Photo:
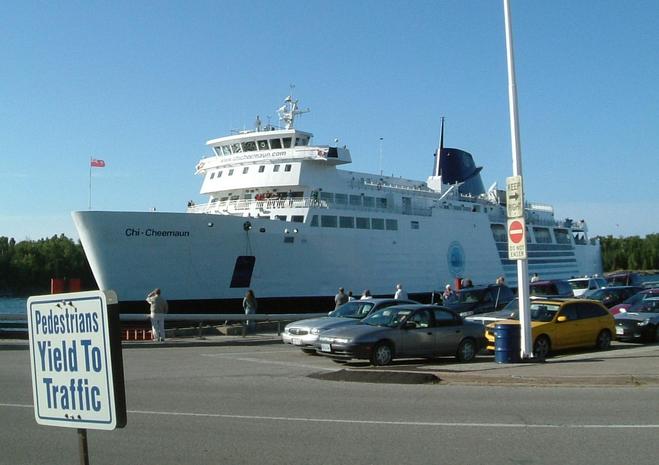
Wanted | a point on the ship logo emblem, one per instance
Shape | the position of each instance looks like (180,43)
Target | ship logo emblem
(456,258)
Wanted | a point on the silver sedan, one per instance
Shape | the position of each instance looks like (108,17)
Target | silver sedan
(304,333)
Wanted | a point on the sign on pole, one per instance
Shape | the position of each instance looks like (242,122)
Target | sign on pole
(76,362)
(514,197)
(516,239)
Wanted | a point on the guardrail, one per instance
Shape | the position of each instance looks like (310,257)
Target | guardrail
(18,322)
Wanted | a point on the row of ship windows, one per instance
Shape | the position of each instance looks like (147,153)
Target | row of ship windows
(264,144)
(542,235)
(353,200)
(275,169)
(350,222)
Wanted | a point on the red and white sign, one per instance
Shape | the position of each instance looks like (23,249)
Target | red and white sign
(516,239)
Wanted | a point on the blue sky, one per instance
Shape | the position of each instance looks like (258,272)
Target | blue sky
(144,84)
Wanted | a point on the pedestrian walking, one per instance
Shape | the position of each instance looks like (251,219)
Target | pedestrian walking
(158,308)
(249,306)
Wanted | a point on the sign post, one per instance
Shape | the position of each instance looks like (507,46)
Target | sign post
(76,362)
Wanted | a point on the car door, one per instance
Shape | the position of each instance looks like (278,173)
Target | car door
(567,332)
(417,337)
(448,331)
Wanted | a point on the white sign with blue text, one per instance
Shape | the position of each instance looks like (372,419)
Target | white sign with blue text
(71,361)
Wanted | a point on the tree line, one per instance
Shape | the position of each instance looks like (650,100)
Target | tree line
(26,267)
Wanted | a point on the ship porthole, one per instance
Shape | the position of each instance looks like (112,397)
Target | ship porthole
(210,224)
(262,229)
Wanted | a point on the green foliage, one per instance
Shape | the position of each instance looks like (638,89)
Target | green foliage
(630,253)
(27,267)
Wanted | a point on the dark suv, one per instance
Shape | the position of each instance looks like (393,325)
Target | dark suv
(551,288)
(481,299)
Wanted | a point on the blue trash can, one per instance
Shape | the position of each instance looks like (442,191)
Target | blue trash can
(506,343)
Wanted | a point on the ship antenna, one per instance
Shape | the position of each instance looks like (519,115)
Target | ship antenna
(440,149)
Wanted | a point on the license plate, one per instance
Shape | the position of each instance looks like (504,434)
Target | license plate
(296,341)
(619,330)
(326,347)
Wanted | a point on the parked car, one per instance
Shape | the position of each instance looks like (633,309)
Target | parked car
(640,322)
(562,324)
(404,331)
(304,333)
(551,288)
(636,298)
(624,278)
(612,295)
(581,285)
(481,299)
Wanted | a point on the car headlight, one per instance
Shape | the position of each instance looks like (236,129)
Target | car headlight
(314,331)
(644,322)
(342,340)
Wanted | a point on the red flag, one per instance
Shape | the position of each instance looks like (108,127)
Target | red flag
(98,163)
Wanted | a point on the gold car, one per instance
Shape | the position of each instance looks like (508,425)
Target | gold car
(563,324)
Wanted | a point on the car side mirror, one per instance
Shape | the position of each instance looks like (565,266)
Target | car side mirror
(561,319)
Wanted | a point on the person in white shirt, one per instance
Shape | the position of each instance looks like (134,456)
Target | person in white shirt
(400,293)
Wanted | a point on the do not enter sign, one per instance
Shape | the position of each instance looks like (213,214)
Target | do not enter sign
(516,239)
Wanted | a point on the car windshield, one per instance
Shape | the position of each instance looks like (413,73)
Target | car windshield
(579,284)
(539,312)
(646,306)
(543,289)
(469,296)
(390,317)
(599,294)
(353,309)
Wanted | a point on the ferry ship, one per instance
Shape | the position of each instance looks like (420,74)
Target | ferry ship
(285,218)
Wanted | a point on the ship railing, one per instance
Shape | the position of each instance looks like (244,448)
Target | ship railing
(17,323)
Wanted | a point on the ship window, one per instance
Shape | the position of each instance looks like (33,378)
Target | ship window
(414,224)
(341,199)
(280,217)
(363,223)
(562,236)
(377,223)
(226,150)
(212,175)
(235,148)
(542,235)
(356,200)
(261,168)
(289,240)
(301,141)
(249,146)
(297,219)
(275,143)
(287,168)
(499,233)
(219,174)
(247,196)
(275,168)
(245,169)
(327,196)
(287,142)
(382,202)
(314,220)
(218,150)
(346,222)
(328,221)
(231,172)
(224,199)
(263,145)
(369,201)
(392,225)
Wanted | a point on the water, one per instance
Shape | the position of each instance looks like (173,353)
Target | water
(13,305)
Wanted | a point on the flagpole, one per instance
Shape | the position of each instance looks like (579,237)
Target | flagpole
(90,184)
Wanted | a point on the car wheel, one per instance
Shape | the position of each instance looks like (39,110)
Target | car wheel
(310,351)
(541,348)
(603,340)
(382,354)
(466,351)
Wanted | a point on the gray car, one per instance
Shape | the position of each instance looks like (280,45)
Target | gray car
(404,331)
(304,333)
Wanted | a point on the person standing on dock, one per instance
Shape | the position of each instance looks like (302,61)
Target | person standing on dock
(158,307)
(340,298)
(249,305)
(400,292)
